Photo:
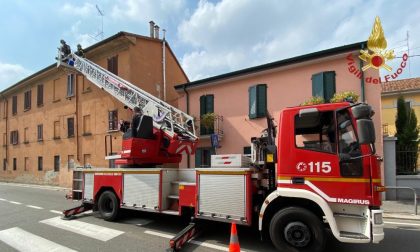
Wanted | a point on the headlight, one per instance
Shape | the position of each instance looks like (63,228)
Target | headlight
(377,218)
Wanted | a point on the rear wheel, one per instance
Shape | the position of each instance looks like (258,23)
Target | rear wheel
(297,229)
(108,206)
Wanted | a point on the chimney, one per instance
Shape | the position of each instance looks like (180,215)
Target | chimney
(152,27)
(156,32)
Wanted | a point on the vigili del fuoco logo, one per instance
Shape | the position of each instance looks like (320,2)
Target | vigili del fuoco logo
(376,57)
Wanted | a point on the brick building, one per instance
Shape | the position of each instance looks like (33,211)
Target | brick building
(56,119)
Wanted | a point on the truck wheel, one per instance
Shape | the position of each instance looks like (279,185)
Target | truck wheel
(297,229)
(108,206)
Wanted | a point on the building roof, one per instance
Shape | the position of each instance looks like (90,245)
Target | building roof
(276,64)
(88,49)
(401,86)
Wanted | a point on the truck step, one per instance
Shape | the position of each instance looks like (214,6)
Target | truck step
(173,197)
(171,212)
(354,216)
(352,235)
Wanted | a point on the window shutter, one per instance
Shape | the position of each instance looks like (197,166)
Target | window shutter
(209,104)
(318,85)
(202,105)
(261,100)
(252,102)
(198,154)
(329,85)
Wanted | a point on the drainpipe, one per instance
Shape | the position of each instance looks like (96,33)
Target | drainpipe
(77,116)
(6,108)
(164,64)
(188,112)
(362,80)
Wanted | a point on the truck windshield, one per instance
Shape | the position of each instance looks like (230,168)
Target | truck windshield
(346,134)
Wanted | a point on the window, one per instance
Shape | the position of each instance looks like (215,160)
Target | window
(316,132)
(323,85)
(56,163)
(86,125)
(206,106)
(56,94)
(70,127)
(4,164)
(14,164)
(25,135)
(257,101)
(203,157)
(26,165)
(27,100)
(14,105)
(113,120)
(57,130)
(247,150)
(14,137)
(85,83)
(40,134)
(70,162)
(70,85)
(86,160)
(39,163)
(113,64)
(40,95)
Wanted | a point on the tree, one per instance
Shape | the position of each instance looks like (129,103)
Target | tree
(407,135)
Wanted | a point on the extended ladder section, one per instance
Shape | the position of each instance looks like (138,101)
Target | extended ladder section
(165,116)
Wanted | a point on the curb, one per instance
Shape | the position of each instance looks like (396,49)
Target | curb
(47,187)
(401,216)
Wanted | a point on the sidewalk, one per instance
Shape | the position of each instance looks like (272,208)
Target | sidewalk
(400,210)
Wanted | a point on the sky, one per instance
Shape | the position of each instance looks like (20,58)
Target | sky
(209,37)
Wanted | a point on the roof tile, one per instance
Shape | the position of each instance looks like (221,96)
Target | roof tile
(401,85)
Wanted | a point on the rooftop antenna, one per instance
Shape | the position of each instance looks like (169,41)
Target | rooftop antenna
(100,34)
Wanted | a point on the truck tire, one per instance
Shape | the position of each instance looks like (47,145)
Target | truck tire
(108,206)
(297,229)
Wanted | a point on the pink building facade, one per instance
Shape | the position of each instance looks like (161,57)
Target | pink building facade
(239,98)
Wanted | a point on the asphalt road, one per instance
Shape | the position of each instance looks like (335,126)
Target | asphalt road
(30,221)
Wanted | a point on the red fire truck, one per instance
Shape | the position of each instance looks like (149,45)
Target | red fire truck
(323,174)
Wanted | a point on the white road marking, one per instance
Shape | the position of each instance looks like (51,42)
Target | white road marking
(22,240)
(3,199)
(35,207)
(14,202)
(83,228)
(402,223)
(159,234)
(51,188)
(204,244)
(56,212)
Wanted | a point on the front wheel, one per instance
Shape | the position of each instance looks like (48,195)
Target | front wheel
(108,206)
(297,229)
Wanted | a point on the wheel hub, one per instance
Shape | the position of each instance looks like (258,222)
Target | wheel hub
(297,234)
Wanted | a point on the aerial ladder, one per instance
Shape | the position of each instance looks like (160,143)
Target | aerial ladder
(171,132)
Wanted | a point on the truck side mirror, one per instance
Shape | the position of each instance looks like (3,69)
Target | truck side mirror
(366,131)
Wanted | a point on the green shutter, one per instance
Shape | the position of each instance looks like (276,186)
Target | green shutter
(329,85)
(252,102)
(209,104)
(198,154)
(318,85)
(202,105)
(261,100)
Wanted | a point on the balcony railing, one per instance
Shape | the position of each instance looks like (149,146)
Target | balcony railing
(216,129)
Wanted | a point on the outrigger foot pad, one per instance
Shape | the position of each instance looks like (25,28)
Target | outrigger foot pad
(71,213)
(179,240)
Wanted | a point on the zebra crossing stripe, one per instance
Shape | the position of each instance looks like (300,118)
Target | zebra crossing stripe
(22,240)
(83,228)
